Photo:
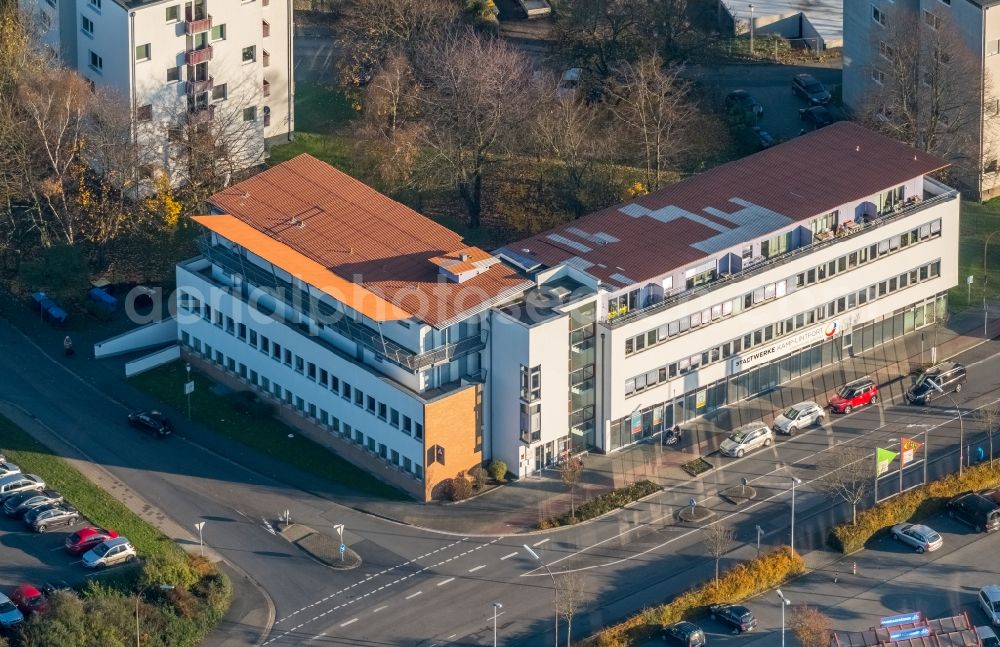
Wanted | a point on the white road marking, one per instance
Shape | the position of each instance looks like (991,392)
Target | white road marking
(384,606)
(349,622)
(514,554)
(477,568)
(316,637)
(443,582)
(413,595)
(539,543)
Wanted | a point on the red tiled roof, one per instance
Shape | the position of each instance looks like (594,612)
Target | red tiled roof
(800,179)
(364,237)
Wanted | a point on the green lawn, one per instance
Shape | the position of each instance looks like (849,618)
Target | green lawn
(978,222)
(321,116)
(265,434)
(97,505)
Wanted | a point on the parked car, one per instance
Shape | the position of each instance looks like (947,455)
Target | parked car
(109,553)
(52,587)
(152,422)
(807,87)
(6,469)
(817,116)
(48,516)
(979,511)
(799,416)
(746,439)
(987,637)
(18,504)
(736,616)
(922,538)
(743,101)
(16,483)
(853,395)
(29,600)
(948,376)
(569,83)
(86,538)
(764,139)
(687,634)
(10,615)
(989,600)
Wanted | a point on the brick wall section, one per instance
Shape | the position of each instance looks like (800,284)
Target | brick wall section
(316,432)
(450,422)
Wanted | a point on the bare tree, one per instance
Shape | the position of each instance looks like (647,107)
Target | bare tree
(600,34)
(810,626)
(572,591)
(989,416)
(655,109)
(847,472)
(570,471)
(718,539)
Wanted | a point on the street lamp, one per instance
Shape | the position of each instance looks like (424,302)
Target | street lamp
(961,425)
(784,603)
(555,588)
(795,481)
(751,30)
(187,387)
(138,597)
(496,607)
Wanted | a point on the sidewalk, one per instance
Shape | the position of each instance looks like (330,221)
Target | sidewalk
(519,506)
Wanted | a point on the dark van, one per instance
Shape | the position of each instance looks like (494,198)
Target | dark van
(949,376)
(976,510)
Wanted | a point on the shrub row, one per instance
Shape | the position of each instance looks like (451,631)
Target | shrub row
(915,504)
(736,584)
(601,504)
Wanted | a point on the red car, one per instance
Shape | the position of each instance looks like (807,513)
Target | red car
(29,600)
(853,395)
(83,540)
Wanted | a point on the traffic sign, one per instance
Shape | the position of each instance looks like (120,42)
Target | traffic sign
(189,387)
(692,502)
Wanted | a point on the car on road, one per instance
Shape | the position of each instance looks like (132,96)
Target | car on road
(29,600)
(798,416)
(746,439)
(10,615)
(86,538)
(17,483)
(853,395)
(109,553)
(743,102)
(949,377)
(737,616)
(152,422)
(50,516)
(19,504)
(922,538)
(6,469)
(989,600)
(807,87)
(687,634)
(975,509)
(816,116)
(987,637)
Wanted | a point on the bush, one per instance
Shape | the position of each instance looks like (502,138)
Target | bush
(737,584)
(603,503)
(498,470)
(172,570)
(460,488)
(479,476)
(912,505)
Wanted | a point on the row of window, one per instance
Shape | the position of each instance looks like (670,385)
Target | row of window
(781,328)
(306,409)
(300,365)
(822,272)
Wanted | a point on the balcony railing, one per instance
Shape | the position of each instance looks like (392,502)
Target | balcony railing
(946,195)
(201,114)
(195,56)
(196,86)
(192,27)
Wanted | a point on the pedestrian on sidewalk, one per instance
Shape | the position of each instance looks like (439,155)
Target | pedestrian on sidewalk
(68,346)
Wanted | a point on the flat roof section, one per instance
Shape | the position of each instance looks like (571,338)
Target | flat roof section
(743,200)
(365,238)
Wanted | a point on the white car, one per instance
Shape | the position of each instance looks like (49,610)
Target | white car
(799,416)
(746,439)
(923,538)
(109,552)
(989,600)
(10,615)
(6,469)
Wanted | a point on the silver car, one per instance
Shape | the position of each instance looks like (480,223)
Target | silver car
(923,538)
(6,469)
(109,553)
(799,416)
(746,439)
(989,600)
(10,615)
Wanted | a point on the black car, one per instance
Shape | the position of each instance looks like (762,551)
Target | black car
(743,101)
(764,139)
(687,634)
(52,587)
(19,504)
(736,616)
(948,377)
(976,510)
(45,517)
(152,422)
(807,87)
(818,116)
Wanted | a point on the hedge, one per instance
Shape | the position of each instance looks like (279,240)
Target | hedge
(736,584)
(603,503)
(914,504)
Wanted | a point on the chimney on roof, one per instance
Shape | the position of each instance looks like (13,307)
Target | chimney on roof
(464,257)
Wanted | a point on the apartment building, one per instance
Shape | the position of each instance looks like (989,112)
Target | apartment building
(417,356)
(220,63)
(972,26)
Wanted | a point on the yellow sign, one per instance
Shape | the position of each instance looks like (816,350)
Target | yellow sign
(909,449)
(701,399)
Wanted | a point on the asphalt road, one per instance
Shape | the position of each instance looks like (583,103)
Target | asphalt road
(422,588)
